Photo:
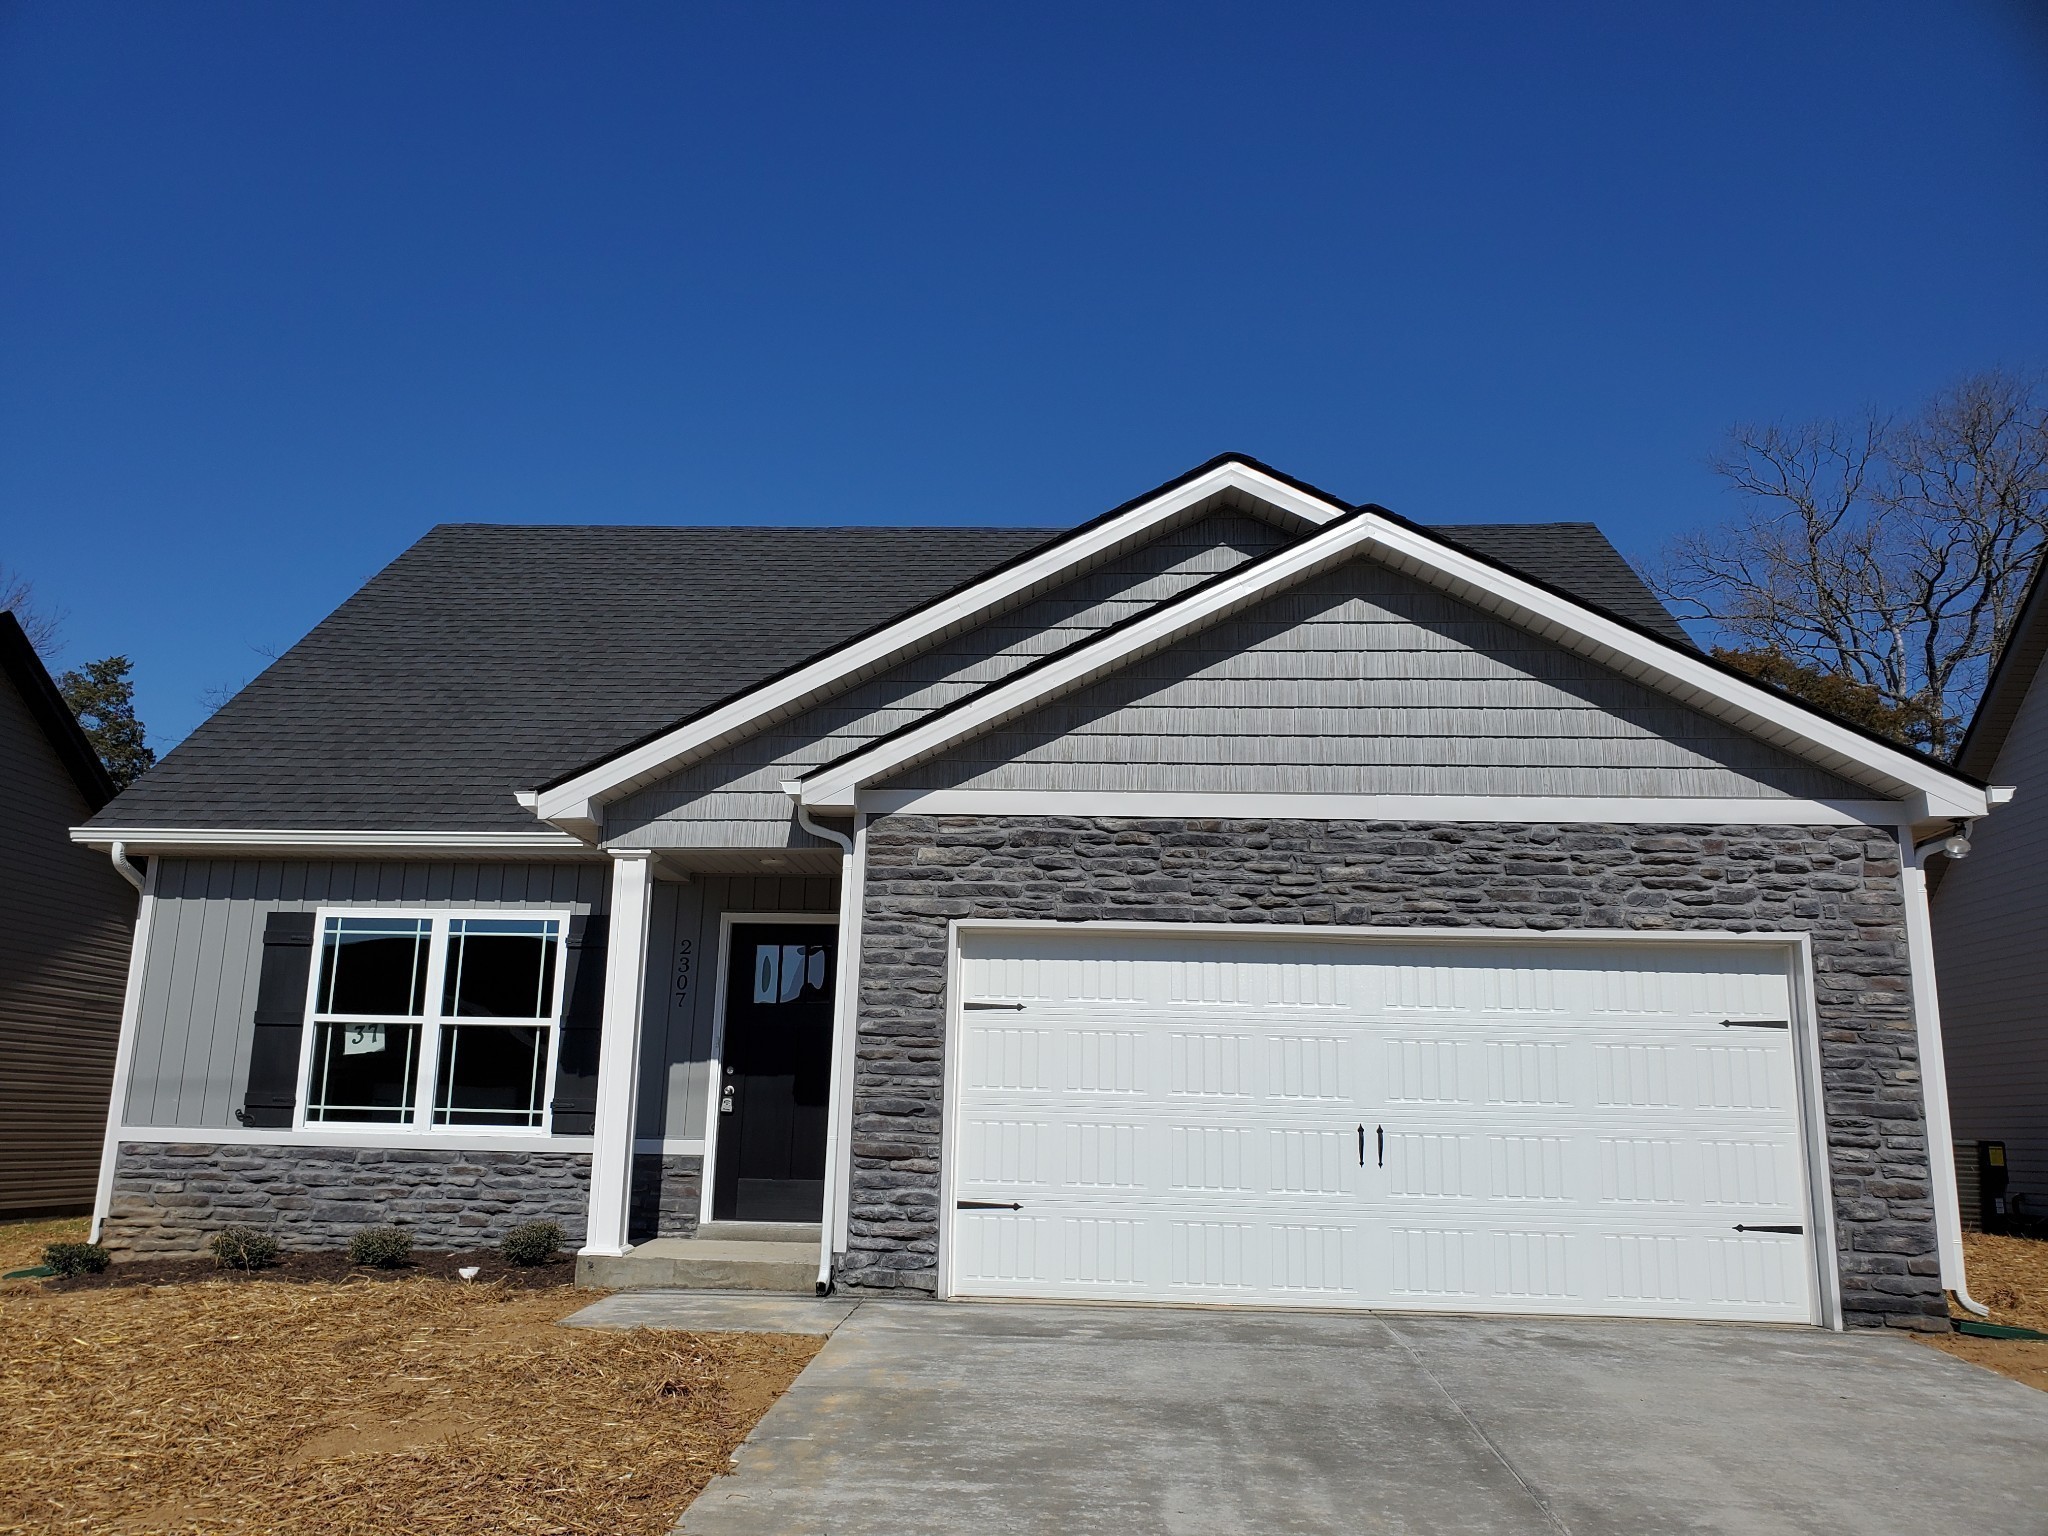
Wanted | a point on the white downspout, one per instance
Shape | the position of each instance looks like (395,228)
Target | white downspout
(842,1017)
(122,867)
(1941,1151)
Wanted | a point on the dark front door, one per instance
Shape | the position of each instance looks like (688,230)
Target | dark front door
(775,1073)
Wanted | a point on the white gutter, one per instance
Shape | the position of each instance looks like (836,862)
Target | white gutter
(1941,1151)
(842,1019)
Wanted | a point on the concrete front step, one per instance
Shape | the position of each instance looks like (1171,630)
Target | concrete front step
(705,1264)
(762,1231)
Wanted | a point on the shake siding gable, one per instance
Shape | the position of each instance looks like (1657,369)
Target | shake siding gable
(1365,681)
(734,798)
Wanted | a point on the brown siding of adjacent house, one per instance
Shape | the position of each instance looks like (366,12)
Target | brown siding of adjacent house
(65,924)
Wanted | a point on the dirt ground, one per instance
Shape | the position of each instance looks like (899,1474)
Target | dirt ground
(2010,1276)
(358,1408)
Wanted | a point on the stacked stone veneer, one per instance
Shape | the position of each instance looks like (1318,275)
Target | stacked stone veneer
(170,1197)
(1841,885)
(667,1191)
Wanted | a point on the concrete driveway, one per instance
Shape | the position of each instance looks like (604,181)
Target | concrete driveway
(968,1418)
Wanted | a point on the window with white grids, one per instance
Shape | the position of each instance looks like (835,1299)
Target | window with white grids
(434,1020)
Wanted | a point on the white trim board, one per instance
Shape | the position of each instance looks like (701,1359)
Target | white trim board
(1930,789)
(317,841)
(124,1051)
(578,801)
(1608,810)
(414,1141)
(463,1141)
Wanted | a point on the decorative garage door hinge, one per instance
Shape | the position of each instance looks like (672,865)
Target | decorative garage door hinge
(989,1205)
(1756,1023)
(1004,1007)
(1794,1231)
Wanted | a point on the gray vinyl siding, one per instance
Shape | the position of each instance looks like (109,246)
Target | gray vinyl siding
(66,920)
(1990,934)
(193,1035)
(733,798)
(1365,681)
(682,986)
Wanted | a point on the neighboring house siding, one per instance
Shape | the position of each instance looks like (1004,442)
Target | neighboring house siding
(66,921)
(192,1041)
(682,987)
(733,798)
(1990,929)
(1365,681)
(1839,884)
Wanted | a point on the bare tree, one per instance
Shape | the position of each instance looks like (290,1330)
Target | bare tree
(43,626)
(1887,555)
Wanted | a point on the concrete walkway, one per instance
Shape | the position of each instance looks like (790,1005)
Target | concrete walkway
(1080,1420)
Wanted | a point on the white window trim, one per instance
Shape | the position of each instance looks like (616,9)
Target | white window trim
(1824,1273)
(421,1127)
(727,921)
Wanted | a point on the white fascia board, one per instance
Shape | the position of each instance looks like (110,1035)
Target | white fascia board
(580,799)
(1657,664)
(325,841)
(1572,809)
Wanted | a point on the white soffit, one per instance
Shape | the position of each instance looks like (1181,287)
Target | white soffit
(576,801)
(1926,789)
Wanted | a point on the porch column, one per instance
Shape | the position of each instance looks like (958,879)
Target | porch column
(618,1054)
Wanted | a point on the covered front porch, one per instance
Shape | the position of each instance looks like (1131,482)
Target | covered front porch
(717,1079)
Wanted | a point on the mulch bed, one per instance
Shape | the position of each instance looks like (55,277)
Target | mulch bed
(2010,1276)
(328,1265)
(416,1408)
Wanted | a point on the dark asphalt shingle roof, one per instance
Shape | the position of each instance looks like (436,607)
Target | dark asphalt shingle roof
(488,659)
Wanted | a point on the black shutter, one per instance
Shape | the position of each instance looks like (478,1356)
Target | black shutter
(280,1020)
(574,1110)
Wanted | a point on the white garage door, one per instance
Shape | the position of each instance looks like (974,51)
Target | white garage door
(1509,1126)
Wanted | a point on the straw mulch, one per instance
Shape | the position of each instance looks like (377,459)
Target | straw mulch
(2010,1276)
(351,1409)
(22,1242)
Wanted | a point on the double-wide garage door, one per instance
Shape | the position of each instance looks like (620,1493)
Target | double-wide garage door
(1516,1126)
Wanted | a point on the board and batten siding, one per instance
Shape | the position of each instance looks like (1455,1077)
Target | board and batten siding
(733,798)
(66,921)
(1990,931)
(193,1034)
(684,927)
(1364,681)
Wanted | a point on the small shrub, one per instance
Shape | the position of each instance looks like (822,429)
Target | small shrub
(534,1243)
(76,1258)
(381,1248)
(248,1248)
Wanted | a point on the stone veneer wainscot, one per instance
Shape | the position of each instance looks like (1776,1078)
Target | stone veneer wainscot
(1841,885)
(171,1197)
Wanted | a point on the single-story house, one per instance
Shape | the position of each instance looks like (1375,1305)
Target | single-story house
(66,916)
(1243,896)
(1991,932)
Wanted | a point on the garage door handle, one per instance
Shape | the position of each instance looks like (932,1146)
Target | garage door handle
(1795,1231)
(1756,1023)
(989,1205)
(1379,1131)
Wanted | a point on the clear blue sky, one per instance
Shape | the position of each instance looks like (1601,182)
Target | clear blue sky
(283,285)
